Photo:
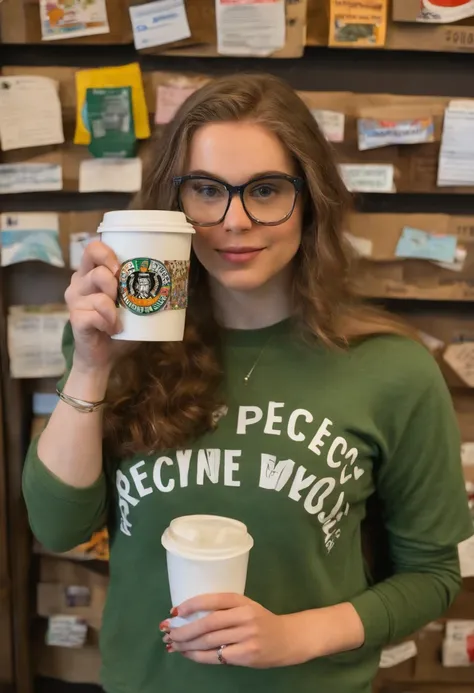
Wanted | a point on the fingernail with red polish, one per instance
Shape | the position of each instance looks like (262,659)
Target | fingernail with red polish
(164,627)
(174,611)
(169,648)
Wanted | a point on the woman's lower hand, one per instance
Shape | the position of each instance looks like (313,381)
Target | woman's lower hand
(252,635)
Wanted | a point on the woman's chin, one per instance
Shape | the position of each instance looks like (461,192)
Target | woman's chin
(241,281)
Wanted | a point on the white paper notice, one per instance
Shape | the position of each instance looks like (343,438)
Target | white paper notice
(456,157)
(77,244)
(110,175)
(461,359)
(331,124)
(34,341)
(158,23)
(466,557)
(467,454)
(391,656)
(369,178)
(30,112)
(22,178)
(66,631)
(362,246)
(250,27)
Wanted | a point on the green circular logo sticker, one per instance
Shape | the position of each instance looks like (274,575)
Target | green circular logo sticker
(144,285)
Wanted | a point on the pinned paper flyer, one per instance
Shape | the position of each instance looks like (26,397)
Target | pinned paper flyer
(392,656)
(363,247)
(30,112)
(168,100)
(34,341)
(66,631)
(117,77)
(456,156)
(361,24)
(21,178)
(382,133)
(77,244)
(331,124)
(110,175)
(368,178)
(61,19)
(414,243)
(159,23)
(110,119)
(29,236)
(250,27)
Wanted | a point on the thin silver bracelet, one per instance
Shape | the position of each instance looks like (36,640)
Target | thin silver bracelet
(80,405)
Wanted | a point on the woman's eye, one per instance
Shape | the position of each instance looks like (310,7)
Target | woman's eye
(208,191)
(263,191)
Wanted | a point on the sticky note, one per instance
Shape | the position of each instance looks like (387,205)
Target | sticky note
(168,100)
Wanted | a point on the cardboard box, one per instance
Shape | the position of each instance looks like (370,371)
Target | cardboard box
(76,665)
(450,38)
(383,275)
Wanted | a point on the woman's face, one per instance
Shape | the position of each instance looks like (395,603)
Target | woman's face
(237,252)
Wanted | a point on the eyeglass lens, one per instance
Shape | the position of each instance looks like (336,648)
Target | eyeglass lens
(267,200)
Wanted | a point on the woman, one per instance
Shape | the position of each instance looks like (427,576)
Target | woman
(287,406)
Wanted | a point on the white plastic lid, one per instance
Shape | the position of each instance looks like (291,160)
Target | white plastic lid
(145,220)
(206,537)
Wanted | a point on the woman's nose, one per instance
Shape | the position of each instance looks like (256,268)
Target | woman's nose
(237,220)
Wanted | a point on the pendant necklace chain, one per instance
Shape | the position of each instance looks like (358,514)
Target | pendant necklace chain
(255,363)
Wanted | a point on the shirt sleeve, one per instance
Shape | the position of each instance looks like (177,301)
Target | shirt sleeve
(422,491)
(61,516)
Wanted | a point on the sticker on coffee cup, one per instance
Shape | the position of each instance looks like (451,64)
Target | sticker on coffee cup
(147,286)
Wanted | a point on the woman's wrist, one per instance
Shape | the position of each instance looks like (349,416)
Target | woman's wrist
(87,383)
(322,632)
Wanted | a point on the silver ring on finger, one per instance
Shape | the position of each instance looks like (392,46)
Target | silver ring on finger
(220,655)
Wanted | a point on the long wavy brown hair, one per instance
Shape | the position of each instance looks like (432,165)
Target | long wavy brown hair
(163,395)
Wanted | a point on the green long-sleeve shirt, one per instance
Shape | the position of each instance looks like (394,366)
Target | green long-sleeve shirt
(300,449)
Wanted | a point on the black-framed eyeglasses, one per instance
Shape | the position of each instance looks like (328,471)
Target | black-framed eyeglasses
(268,200)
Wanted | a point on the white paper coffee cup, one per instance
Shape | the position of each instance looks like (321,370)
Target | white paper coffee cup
(153,248)
(206,554)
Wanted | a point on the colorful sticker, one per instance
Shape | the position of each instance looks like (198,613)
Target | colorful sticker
(147,286)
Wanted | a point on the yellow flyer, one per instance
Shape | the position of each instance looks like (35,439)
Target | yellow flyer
(123,76)
(358,23)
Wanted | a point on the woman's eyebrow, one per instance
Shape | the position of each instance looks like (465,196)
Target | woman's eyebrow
(258,174)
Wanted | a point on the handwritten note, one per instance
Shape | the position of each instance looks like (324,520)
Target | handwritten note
(168,100)
(158,23)
(461,359)
(250,27)
(30,112)
(110,175)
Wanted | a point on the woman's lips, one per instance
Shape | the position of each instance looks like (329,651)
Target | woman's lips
(239,255)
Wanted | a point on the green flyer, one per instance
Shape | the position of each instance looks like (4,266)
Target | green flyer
(110,120)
